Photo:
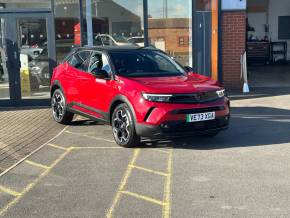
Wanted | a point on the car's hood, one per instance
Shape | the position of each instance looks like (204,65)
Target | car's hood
(177,84)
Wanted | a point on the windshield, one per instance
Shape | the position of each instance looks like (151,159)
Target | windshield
(142,63)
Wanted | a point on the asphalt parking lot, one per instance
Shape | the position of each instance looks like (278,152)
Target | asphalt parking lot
(243,172)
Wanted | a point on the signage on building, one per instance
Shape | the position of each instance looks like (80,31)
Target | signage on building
(234,4)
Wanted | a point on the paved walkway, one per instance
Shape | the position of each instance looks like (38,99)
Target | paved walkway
(23,131)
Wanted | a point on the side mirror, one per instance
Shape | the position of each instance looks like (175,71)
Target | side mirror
(188,69)
(100,74)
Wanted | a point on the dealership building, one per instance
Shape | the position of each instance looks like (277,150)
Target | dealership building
(208,35)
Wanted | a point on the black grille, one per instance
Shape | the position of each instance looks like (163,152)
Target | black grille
(200,97)
(177,127)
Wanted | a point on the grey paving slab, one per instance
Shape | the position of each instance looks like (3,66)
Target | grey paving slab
(146,184)
(80,140)
(18,178)
(5,199)
(153,159)
(47,155)
(132,207)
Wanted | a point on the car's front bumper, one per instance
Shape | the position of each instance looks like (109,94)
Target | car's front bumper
(180,128)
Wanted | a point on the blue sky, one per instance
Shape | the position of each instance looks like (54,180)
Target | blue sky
(176,8)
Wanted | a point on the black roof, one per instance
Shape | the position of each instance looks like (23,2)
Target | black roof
(114,48)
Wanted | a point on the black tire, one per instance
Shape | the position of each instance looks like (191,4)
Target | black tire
(59,111)
(123,127)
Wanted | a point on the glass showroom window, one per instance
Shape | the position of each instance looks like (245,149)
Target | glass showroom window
(169,26)
(67,26)
(113,22)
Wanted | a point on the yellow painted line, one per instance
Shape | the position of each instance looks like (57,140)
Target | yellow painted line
(80,148)
(161,150)
(123,184)
(9,191)
(89,136)
(149,170)
(58,147)
(143,197)
(33,184)
(167,189)
(37,164)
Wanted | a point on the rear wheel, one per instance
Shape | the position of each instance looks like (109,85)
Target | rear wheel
(59,111)
(124,127)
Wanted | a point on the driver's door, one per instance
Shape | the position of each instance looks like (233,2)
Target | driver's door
(97,93)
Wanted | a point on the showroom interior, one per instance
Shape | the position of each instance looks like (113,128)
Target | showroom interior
(268,48)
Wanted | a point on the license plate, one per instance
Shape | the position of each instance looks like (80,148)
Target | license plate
(190,118)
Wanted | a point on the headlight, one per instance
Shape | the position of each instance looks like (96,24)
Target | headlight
(221,93)
(157,97)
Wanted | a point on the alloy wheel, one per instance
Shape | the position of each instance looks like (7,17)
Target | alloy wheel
(58,106)
(121,126)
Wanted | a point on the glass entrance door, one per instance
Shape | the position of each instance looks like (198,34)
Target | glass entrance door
(27,57)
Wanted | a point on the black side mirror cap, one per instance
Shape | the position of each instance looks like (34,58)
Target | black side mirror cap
(188,69)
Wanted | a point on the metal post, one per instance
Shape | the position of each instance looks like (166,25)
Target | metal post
(89,22)
(81,21)
(194,36)
(145,17)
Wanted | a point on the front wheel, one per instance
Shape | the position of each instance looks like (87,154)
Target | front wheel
(124,127)
(59,111)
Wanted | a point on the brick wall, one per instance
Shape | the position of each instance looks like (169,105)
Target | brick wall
(233,45)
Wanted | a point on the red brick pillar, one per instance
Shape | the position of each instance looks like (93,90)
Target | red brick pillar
(233,45)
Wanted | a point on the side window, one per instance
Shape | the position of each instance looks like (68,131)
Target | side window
(95,62)
(106,65)
(74,61)
(99,61)
(84,55)
(78,60)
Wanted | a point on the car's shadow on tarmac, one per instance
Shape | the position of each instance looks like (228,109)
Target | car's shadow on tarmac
(250,126)
(84,122)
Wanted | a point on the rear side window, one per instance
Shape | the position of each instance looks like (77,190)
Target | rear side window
(79,60)
(74,61)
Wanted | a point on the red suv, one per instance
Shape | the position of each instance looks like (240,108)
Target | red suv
(139,92)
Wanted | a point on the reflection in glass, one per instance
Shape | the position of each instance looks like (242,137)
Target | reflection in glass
(4,79)
(24,4)
(67,27)
(115,22)
(170,28)
(34,70)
